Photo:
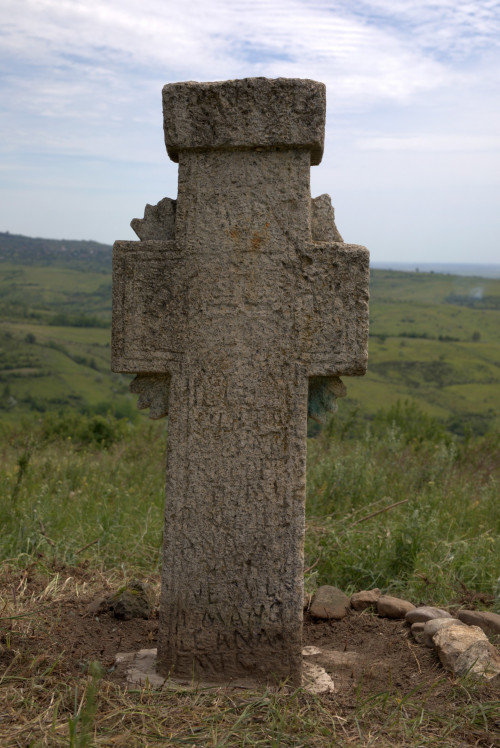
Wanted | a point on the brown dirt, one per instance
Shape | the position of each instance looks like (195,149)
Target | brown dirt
(59,629)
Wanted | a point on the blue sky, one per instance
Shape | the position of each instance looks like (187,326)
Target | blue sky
(412,148)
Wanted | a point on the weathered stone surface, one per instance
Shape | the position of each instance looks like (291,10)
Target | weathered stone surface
(316,680)
(158,221)
(417,630)
(464,649)
(140,668)
(436,624)
(153,391)
(426,613)
(489,622)
(238,314)
(249,113)
(323,228)
(480,659)
(310,651)
(135,600)
(323,393)
(365,599)
(329,602)
(393,607)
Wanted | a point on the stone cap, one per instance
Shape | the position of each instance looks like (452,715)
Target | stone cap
(246,113)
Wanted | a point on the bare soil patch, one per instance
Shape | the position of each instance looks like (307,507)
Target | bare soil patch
(45,628)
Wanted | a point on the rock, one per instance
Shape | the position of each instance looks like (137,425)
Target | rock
(365,599)
(481,659)
(323,226)
(451,641)
(435,625)
(316,680)
(329,602)
(489,622)
(426,613)
(135,600)
(417,630)
(158,221)
(310,651)
(393,607)
(466,649)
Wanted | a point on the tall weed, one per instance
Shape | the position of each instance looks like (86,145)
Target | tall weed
(397,503)
(403,505)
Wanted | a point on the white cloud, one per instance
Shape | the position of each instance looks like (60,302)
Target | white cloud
(433,143)
(219,39)
(81,96)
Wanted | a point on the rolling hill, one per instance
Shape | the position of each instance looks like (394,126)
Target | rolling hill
(434,339)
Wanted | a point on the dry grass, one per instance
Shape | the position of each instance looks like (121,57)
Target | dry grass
(49,699)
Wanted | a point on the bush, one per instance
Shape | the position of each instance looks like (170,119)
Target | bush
(95,430)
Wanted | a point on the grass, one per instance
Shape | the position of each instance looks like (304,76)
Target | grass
(58,477)
(399,503)
(405,506)
(39,292)
(44,368)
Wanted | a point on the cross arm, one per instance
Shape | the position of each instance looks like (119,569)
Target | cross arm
(334,309)
(149,300)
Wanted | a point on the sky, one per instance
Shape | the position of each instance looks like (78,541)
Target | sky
(412,142)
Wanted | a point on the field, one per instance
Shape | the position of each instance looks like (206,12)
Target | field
(402,494)
(434,339)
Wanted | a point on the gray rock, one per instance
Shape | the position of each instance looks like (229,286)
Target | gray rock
(365,599)
(158,221)
(153,391)
(480,659)
(329,602)
(135,600)
(323,226)
(232,115)
(393,607)
(466,649)
(426,613)
(436,624)
(489,622)
(417,630)
(323,393)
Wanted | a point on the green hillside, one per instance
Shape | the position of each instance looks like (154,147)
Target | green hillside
(434,339)
(55,315)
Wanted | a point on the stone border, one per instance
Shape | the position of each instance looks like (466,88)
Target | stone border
(461,642)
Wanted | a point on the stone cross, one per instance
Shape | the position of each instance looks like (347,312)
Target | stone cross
(239,296)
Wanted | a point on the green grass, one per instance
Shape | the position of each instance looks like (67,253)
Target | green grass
(35,292)
(95,479)
(83,479)
(432,288)
(404,506)
(43,367)
(398,503)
